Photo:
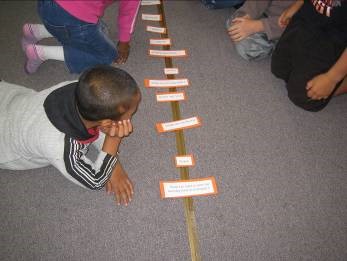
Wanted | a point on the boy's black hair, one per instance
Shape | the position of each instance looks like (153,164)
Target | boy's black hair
(102,91)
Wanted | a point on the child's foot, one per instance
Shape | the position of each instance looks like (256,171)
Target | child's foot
(28,36)
(34,60)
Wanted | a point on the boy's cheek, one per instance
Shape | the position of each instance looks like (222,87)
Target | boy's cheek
(126,116)
(104,129)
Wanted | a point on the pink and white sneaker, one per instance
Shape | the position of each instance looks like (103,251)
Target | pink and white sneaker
(33,59)
(28,36)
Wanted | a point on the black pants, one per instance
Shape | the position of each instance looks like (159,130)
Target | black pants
(301,54)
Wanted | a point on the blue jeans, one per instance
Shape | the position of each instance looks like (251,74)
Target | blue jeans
(218,4)
(85,44)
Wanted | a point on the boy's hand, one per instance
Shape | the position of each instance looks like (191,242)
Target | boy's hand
(120,185)
(119,129)
(320,87)
(123,49)
(284,19)
(287,14)
(243,27)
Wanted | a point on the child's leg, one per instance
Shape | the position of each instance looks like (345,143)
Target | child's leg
(255,9)
(77,54)
(85,44)
(79,57)
(281,60)
(218,4)
(88,46)
(255,47)
(32,33)
(255,44)
(343,88)
(315,54)
(37,54)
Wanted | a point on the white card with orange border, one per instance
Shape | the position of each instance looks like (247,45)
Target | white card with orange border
(188,188)
(167,53)
(155,29)
(150,2)
(188,123)
(167,83)
(151,17)
(170,96)
(171,71)
(160,41)
(182,161)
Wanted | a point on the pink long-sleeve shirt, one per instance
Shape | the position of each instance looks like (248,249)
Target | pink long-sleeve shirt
(92,10)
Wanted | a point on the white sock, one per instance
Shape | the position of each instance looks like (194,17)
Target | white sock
(40,32)
(50,52)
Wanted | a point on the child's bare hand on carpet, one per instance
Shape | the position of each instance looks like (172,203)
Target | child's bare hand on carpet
(320,87)
(123,49)
(120,185)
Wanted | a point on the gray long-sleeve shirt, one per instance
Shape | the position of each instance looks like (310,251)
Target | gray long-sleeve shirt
(272,9)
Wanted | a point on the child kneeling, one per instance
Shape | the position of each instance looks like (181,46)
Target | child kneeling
(56,126)
(311,55)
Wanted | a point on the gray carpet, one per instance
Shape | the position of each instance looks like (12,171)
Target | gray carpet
(281,171)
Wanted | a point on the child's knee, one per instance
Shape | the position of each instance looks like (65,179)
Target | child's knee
(254,48)
(280,66)
(300,99)
(277,70)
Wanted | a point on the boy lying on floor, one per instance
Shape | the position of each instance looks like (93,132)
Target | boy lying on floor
(56,126)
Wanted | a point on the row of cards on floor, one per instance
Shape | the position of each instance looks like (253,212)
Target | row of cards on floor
(181,188)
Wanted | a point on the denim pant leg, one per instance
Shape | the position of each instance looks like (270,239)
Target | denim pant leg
(85,44)
(218,4)
(89,46)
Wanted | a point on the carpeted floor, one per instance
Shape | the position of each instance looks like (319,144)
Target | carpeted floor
(281,171)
